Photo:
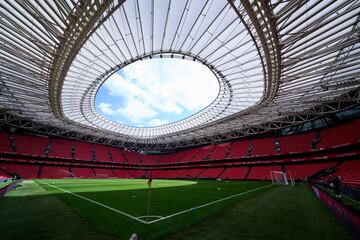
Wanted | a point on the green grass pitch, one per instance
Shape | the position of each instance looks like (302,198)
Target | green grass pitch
(3,184)
(179,209)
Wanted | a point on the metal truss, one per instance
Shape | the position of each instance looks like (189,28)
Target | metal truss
(348,100)
(278,63)
(219,40)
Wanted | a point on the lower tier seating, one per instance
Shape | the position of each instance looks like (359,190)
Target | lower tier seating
(104,173)
(55,172)
(211,173)
(82,172)
(349,171)
(262,172)
(302,171)
(234,173)
(25,171)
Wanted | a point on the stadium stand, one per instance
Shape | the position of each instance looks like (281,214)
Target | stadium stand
(254,158)
(349,172)
(303,143)
(202,153)
(60,148)
(261,172)
(104,173)
(131,157)
(219,151)
(238,149)
(102,153)
(5,144)
(211,173)
(287,94)
(263,147)
(82,172)
(193,173)
(83,150)
(116,155)
(343,135)
(55,172)
(234,173)
(302,171)
(25,171)
(122,173)
(30,145)
(187,155)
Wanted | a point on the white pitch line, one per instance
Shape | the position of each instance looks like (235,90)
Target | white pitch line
(207,204)
(100,204)
(150,216)
(161,218)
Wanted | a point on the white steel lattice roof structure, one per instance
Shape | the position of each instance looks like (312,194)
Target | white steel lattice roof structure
(278,63)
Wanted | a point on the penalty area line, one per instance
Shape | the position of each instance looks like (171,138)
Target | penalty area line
(95,202)
(207,204)
(149,216)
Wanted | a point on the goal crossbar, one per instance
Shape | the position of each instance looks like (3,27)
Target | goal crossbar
(279,177)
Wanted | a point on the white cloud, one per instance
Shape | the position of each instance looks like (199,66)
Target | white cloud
(106,108)
(151,87)
(137,110)
(157,122)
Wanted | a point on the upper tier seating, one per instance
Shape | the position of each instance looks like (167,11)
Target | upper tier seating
(4,143)
(263,147)
(183,156)
(132,157)
(219,151)
(168,158)
(149,159)
(101,153)
(345,134)
(238,149)
(188,155)
(296,143)
(60,148)
(82,150)
(202,153)
(117,155)
(31,145)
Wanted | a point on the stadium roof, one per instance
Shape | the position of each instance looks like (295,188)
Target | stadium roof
(279,63)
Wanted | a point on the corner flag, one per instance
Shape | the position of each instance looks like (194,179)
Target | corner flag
(149,180)
(149,196)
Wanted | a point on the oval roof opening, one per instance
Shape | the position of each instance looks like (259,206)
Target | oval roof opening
(155,92)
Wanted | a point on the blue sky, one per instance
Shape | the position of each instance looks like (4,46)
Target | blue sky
(154,92)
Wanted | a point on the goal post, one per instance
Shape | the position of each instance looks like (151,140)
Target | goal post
(278,177)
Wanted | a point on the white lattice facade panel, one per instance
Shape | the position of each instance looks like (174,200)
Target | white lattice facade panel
(273,60)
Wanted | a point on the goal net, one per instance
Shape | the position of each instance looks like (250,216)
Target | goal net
(278,177)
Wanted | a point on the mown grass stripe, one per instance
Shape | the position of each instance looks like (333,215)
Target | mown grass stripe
(208,204)
(161,218)
(95,202)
